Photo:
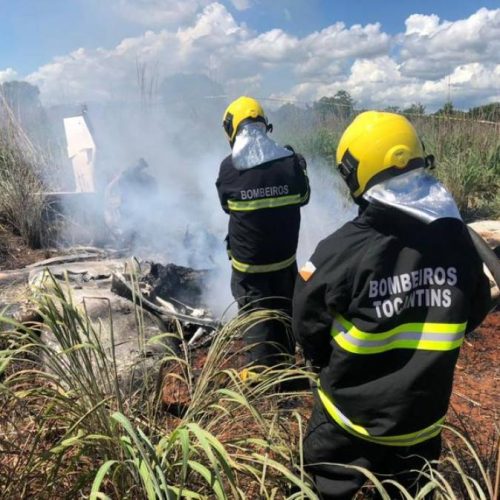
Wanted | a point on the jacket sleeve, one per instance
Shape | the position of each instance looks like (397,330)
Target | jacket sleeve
(305,190)
(322,290)
(312,320)
(481,302)
(219,184)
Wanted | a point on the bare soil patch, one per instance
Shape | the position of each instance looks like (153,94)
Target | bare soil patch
(475,403)
(15,254)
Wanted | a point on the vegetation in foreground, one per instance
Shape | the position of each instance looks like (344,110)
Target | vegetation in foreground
(70,427)
(25,171)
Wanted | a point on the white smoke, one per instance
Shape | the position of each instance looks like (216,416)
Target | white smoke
(181,220)
(329,208)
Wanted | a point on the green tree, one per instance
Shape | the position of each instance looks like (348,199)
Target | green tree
(341,105)
(447,110)
(415,109)
(489,112)
(344,103)
(393,109)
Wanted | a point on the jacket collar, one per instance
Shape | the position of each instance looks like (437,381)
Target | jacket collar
(416,193)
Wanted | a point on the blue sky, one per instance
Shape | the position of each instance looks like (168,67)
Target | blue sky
(32,32)
(293,44)
(310,15)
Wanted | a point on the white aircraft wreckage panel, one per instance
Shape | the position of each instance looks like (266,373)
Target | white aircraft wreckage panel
(81,152)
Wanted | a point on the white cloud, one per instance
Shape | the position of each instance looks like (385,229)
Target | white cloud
(422,64)
(421,25)
(272,46)
(437,59)
(337,41)
(321,55)
(365,78)
(7,74)
(167,12)
(432,49)
(215,27)
(242,4)
(379,83)
(107,74)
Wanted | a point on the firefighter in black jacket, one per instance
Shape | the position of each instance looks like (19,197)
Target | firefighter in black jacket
(381,310)
(261,186)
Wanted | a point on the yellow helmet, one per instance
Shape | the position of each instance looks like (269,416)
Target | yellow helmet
(241,111)
(377,146)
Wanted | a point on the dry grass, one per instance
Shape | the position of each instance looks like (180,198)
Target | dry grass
(69,429)
(467,154)
(22,179)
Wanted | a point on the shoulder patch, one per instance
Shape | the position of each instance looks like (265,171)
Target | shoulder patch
(307,270)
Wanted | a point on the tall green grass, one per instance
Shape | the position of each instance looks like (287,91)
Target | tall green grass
(68,428)
(467,155)
(468,162)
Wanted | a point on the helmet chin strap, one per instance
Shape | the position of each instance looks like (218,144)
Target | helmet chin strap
(430,162)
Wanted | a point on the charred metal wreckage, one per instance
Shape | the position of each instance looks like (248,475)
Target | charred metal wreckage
(171,293)
(140,312)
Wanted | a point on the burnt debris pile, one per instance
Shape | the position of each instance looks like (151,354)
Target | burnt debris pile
(181,285)
(135,309)
(172,293)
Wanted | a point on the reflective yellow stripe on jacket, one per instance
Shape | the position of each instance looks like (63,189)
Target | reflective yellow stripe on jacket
(425,336)
(280,201)
(410,439)
(262,268)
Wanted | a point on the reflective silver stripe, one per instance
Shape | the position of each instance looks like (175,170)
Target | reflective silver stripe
(425,336)
(262,268)
(361,432)
(259,204)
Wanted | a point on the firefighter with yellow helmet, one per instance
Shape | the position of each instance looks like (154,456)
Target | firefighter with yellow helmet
(381,309)
(261,185)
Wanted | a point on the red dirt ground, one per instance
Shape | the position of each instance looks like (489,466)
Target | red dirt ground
(14,254)
(475,404)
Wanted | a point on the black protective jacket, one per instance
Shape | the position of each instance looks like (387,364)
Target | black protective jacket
(381,309)
(264,207)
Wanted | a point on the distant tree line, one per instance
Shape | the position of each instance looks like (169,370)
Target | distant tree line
(488,112)
(342,106)
(196,98)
